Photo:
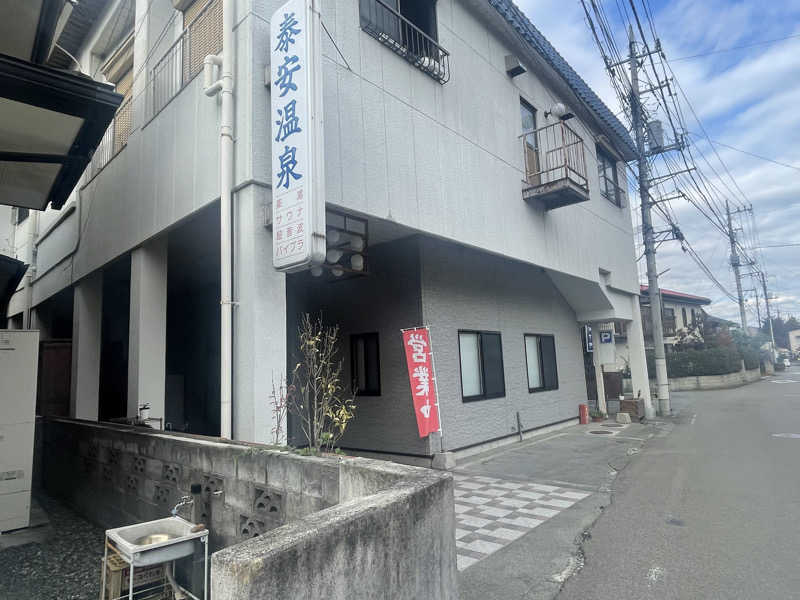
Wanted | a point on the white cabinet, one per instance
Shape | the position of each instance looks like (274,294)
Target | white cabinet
(19,361)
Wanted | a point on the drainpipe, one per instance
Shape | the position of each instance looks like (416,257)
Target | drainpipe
(225,86)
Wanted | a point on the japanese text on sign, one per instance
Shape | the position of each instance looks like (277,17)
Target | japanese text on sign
(421,377)
(295,137)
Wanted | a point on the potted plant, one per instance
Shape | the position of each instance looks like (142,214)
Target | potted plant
(597,415)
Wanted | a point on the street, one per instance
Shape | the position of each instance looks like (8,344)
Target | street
(711,510)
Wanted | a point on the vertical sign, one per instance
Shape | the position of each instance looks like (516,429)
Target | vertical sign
(587,330)
(298,194)
(419,359)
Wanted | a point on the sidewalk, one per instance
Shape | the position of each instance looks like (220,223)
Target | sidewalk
(522,510)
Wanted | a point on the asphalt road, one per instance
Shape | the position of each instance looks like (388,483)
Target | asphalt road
(710,511)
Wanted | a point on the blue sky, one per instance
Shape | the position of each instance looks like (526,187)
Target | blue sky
(747,98)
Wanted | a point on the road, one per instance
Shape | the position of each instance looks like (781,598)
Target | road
(710,511)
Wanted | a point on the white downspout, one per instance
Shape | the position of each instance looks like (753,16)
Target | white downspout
(225,86)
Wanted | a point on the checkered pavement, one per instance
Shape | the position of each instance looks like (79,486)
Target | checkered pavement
(491,513)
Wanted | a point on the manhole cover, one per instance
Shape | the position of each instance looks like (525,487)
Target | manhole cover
(602,432)
(612,425)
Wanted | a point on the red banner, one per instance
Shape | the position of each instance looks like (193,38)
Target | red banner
(417,344)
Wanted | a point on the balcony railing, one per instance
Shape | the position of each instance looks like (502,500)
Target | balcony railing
(184,59)
(114,139)
(555,166)
(405,39)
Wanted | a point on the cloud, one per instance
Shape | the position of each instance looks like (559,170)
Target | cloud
(746,98)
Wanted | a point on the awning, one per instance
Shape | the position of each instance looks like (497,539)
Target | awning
(11,273)
(51,121)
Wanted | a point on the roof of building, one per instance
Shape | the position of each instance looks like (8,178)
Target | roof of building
(517,19)
(721,321)
(682,296)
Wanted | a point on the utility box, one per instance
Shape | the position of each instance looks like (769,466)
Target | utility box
(655,135)
(19,362)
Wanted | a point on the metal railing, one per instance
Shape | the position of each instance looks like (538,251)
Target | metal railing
(114,139)
(554,153)
(184,59)
(405,39)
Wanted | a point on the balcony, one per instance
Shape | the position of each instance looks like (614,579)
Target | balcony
(555,167)
(114,139)
(405,39)
(184,59)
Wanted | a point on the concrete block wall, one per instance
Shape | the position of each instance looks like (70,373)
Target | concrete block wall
(120,475)
(380,542)
(338,527)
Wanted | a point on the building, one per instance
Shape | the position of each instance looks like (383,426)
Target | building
(794,342)
(682,312)
(473,184)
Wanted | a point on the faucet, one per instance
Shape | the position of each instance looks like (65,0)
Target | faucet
(184,501)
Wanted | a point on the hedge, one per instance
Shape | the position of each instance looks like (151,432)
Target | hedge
(712,361)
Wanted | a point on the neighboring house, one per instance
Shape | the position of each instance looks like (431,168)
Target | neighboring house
(794,342)
(460,195)
(712,324)
(681,311)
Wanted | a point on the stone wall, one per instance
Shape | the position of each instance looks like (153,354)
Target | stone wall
(334,523)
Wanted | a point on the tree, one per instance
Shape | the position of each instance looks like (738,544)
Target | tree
(781,329)
(316,394)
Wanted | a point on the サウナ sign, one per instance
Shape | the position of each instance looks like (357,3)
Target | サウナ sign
(419,359)
(298,194)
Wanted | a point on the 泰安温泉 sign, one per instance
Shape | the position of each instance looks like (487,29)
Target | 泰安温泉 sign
(298,176)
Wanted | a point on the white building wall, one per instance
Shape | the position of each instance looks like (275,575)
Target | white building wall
(440,159)
(446,159)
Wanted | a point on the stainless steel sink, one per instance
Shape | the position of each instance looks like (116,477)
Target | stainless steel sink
(155,542)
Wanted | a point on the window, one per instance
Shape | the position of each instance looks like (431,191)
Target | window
(365,364)
(694,318)
(481,356)
(540,357)
(668,321)
(607,172)
(683,315)
(21,214)
(407,27)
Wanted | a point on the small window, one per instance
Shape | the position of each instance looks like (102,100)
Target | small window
(540,357)
(365,364)
(21,214)
(481,356)
(683,314)
(694,318)
(607,172)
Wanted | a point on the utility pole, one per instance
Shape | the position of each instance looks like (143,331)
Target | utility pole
(769,316)
(662,383)
(735,264)
(758,308)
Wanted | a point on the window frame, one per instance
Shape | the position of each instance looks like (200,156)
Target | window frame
(482,365)
(354,337)
(544,387)
(605,158)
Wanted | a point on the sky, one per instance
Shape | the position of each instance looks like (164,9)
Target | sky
(748,98)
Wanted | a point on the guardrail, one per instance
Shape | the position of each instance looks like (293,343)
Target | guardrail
(554,153)
(184,59)
(114,139)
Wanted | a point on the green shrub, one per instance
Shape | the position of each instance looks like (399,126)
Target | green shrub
(720,360)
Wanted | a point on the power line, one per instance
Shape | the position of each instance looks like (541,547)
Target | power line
(732,48)
(782,164)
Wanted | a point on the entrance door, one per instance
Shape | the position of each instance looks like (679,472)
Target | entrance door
(530,143)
